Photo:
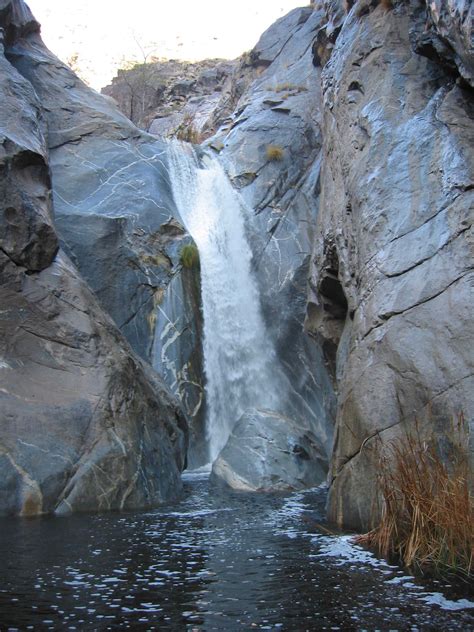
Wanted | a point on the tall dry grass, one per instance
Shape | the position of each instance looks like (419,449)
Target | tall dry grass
(427,518)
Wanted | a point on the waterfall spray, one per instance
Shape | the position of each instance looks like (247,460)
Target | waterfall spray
(240,363)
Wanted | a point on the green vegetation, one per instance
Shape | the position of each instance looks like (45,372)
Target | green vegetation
(274,152)
(428,509)
(157,259)
(189,257)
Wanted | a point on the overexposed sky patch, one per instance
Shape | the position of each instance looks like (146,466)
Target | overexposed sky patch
(104,33)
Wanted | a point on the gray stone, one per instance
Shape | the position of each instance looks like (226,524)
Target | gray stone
(164,95)
(27,236)
(452,23)
(267,452)
(113,205)
(391,275)
(84,424)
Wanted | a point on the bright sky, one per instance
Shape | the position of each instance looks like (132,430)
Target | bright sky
(104,32)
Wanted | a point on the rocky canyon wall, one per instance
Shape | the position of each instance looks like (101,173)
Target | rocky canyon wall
(84,423)
(391,274)
(117,220)
(348,133)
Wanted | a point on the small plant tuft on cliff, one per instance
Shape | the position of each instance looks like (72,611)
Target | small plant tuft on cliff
(187,132)
(189,257)
(289,87)
(428,509)
(274,152)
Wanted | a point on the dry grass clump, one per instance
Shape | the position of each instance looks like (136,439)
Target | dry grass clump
(289,87)
(428,508)
(274,152)
(187,132)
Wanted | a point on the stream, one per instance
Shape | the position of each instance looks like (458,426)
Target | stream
(212,561)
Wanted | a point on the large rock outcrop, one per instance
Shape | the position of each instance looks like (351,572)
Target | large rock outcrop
(348,131)
(391,276)
(116,217)
(84,424)
(171,97)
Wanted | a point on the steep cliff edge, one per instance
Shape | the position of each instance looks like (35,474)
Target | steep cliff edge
(84,424)
(391,275)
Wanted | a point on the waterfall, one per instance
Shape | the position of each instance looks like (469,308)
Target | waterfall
(240,363)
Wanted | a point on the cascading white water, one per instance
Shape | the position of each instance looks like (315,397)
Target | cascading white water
(239,359)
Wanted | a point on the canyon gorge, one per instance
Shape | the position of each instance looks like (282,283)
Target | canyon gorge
(330,196)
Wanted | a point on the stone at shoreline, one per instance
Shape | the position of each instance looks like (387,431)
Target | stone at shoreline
(268,452)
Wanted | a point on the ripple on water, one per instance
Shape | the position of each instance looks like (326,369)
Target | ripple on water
(212,562)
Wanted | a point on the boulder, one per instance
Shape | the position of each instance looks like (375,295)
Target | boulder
(268,452)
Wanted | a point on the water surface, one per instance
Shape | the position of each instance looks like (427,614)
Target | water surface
(210,562)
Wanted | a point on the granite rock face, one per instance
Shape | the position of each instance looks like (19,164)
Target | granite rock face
(450,40)
(348,131)
(84,424)
(171,97)
(392,269)
(269,452)
(115,215)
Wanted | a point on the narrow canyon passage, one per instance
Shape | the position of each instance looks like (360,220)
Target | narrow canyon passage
(234,312)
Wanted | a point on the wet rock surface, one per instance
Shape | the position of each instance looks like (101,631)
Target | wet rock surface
(269,452)
(84,424)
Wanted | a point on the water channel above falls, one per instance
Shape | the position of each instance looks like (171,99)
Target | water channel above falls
(209,562)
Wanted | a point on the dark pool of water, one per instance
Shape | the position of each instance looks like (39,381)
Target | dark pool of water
(211,562)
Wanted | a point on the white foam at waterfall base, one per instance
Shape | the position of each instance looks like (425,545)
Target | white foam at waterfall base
(239,359)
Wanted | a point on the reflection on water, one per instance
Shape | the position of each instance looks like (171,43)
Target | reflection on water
(211,562)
